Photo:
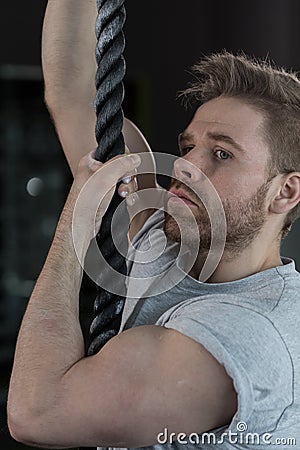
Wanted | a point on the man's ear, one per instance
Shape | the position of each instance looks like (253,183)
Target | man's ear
(288,194)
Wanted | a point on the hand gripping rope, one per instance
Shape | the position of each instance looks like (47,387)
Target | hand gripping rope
(108,307)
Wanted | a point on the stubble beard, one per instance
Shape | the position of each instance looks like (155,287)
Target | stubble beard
(244,219)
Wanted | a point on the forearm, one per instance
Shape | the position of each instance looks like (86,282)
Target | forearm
(68,51)
(50,343)
(50,339)
(69,66)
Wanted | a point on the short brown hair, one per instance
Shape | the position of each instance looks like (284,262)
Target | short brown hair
(274,91)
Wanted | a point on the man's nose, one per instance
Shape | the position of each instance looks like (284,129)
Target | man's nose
(186,171)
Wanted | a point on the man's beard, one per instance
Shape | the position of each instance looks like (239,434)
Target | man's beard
(244,221)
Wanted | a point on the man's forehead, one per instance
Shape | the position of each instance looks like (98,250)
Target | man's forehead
(230,114)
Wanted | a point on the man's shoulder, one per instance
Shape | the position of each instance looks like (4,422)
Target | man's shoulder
(261,293)
(253,349)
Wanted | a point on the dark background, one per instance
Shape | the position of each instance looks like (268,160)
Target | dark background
(164,38)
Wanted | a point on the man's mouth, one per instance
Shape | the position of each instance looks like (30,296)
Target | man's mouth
(179,196)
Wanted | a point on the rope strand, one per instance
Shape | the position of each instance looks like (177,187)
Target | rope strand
(108,307)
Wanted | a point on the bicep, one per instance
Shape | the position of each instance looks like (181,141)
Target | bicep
(144,380)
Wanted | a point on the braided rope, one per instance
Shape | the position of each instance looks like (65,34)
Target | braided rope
(108,307)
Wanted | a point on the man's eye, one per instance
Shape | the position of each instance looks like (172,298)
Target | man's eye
(222,154)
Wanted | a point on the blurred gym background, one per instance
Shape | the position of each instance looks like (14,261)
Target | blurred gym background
(164,38)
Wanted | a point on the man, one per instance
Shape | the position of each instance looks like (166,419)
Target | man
(221,356)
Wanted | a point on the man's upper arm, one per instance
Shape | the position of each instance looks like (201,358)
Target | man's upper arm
(144,380)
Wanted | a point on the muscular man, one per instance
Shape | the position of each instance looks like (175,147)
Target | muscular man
(221,356)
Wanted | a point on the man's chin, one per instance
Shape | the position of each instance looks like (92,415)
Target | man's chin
(200,238)
(171,229)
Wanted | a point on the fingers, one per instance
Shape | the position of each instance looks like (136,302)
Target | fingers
(126,163)
(128,187)
(127,179)
(121,168)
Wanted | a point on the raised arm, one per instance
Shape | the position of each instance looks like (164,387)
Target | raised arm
(69,66)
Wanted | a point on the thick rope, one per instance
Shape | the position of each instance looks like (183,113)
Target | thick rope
(108,307)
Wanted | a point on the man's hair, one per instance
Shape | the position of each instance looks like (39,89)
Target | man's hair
(273,91)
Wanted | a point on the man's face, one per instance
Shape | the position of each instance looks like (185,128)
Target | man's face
(225,141)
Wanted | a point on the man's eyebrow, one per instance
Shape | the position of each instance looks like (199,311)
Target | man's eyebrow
(216,136)
(185,136)
(224,138)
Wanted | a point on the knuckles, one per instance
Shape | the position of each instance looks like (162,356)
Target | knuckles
(87,162)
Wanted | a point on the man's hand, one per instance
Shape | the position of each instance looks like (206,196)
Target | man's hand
(93,188)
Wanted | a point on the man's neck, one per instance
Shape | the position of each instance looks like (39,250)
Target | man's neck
(257,257)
